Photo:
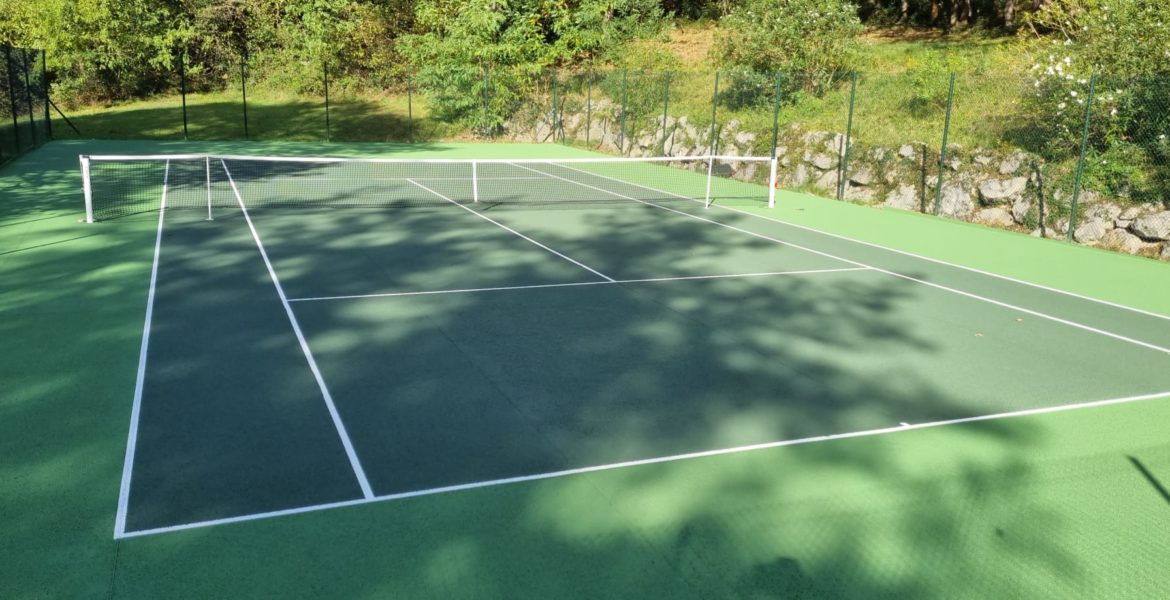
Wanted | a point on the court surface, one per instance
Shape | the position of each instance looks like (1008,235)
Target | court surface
(313,357)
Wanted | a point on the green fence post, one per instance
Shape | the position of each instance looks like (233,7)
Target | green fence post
(776,116)
(622,123)
(409,112)
(12,98)
(942,153)
(183,88)
(45,91)
(32,123)
(1072,216)
(843,165)
(665,111)
(714,103)
(486,100)
(244,85)
(588,103)
(552,94)
(328,125)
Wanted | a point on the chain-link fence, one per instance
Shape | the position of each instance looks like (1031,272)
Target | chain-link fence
(1015,150)
(24,102)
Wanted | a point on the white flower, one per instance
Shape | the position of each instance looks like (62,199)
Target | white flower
(1061,105)
(1073,93)
(1113,113)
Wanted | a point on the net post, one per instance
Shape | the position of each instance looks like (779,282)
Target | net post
(207,167)
(86,188)
(475,181)
(710,171)
(772,183)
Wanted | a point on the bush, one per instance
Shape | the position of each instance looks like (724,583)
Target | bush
(813,41)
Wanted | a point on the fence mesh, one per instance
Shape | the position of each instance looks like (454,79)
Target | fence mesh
(24,110)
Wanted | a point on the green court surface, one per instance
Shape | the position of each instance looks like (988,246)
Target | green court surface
(626,398)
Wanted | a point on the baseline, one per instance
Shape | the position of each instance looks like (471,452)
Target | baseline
(653,461)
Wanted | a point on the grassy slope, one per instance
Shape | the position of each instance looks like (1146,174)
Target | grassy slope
(1045,506)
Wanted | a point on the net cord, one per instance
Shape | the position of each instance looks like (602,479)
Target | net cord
(483,161)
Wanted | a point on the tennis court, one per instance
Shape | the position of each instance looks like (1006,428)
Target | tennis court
(324,333)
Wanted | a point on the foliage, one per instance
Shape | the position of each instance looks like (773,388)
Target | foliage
(1128,40)
(813,41)
(479,60)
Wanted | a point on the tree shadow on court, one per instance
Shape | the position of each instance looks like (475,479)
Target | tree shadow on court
(922,514)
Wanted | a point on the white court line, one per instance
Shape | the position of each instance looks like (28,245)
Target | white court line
(649,461)
(356,464)
(897,251)
(575,284)
(952,290)
(140,380)
(513,231)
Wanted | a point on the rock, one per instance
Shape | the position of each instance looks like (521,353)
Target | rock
(982,160)
(801,176)
(828,181)
(996,216)
(862,175)
(1122,223)
(1101,211)
(995,191)
(1155,227)
(956,202)
(836,143)
(745,139)
(1091,232)
(1165,253)
(1011,164)
(904,197)
(1020,210)
(1118,239)
(880,154)
(823,162)
(954,163)
(861,194)
(543,131)
(907,151)
(1131,213)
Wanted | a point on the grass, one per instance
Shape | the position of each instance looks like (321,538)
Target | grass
(271,116)
(1064,505)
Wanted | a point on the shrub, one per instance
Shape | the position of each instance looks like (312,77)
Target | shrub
(813,41)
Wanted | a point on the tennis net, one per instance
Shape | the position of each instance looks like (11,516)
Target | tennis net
(116,186)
